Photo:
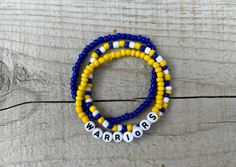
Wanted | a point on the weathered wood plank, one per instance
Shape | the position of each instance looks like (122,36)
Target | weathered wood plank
(197,132)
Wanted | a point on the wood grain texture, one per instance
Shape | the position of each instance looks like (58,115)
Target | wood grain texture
(39,41)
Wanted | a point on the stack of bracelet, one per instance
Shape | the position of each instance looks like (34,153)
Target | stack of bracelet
(124,45)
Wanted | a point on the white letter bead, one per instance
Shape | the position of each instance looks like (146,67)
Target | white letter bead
(128,137)
(159,59)
(131,44)
(147,50)
(119,127)
(117,136)
(91,76)
(166,71)
(102,49)
(152,117)
(107,136)
(166,99)
(96,112)
(145,125)
(116,44)
(89,126)
(88,100)
(168,88)
(97,133)
(137,132)
(105,123)
(92,59)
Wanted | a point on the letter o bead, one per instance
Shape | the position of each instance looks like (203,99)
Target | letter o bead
(137,132)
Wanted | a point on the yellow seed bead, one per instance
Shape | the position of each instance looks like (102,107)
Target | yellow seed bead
(82,83)
(159,97)
(129,127)
(87,97)
(163,63)
(90,68)
(159,79)
(85,119)
(86,71)
(158,69)
(89,85)
(160,75)
(142,55)
(121,43)
(79,93)
(101,120)
(78,103)
(110,57)
(106,57)
(165,105)
(151,61)
(91,65)
(96,63)
(81,88)
(151,53)
(169,92)
(79,109)
(137,45)
(160,84)
(137,53)
(118,55)
(84,79)
(127,52)
(160,93)
(79,98)
(92,108)
(147,58)
(156,65)
(159,106)
(161,88)
(106,46)
(155,109)
(114,128)
(113,55)
(81,115)
(159,101)
(122,52)
(101,60)
(167,77)
(84,75)
(94,55)
(132,52)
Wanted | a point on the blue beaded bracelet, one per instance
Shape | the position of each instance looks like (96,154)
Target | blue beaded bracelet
(99,41)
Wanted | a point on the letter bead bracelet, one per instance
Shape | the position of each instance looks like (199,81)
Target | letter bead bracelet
(160,90)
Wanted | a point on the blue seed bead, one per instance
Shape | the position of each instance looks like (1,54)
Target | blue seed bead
(163,110)
(97,116)
(89,80)
(98,52)
(88,104)
(155,55)
(111,45)
(166,95)
(88,93)
(142,48)
(167,83)
(126,44)
(164,67)
(124,129)
(110,125)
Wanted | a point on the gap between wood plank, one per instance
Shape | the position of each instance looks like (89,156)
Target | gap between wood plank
(114,100)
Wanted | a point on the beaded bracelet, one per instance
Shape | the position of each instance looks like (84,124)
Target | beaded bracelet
(110,44)
(144,124)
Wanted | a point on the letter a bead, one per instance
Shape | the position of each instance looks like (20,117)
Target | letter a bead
(97,133)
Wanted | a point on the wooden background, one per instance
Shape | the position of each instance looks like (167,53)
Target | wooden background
(39,41)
